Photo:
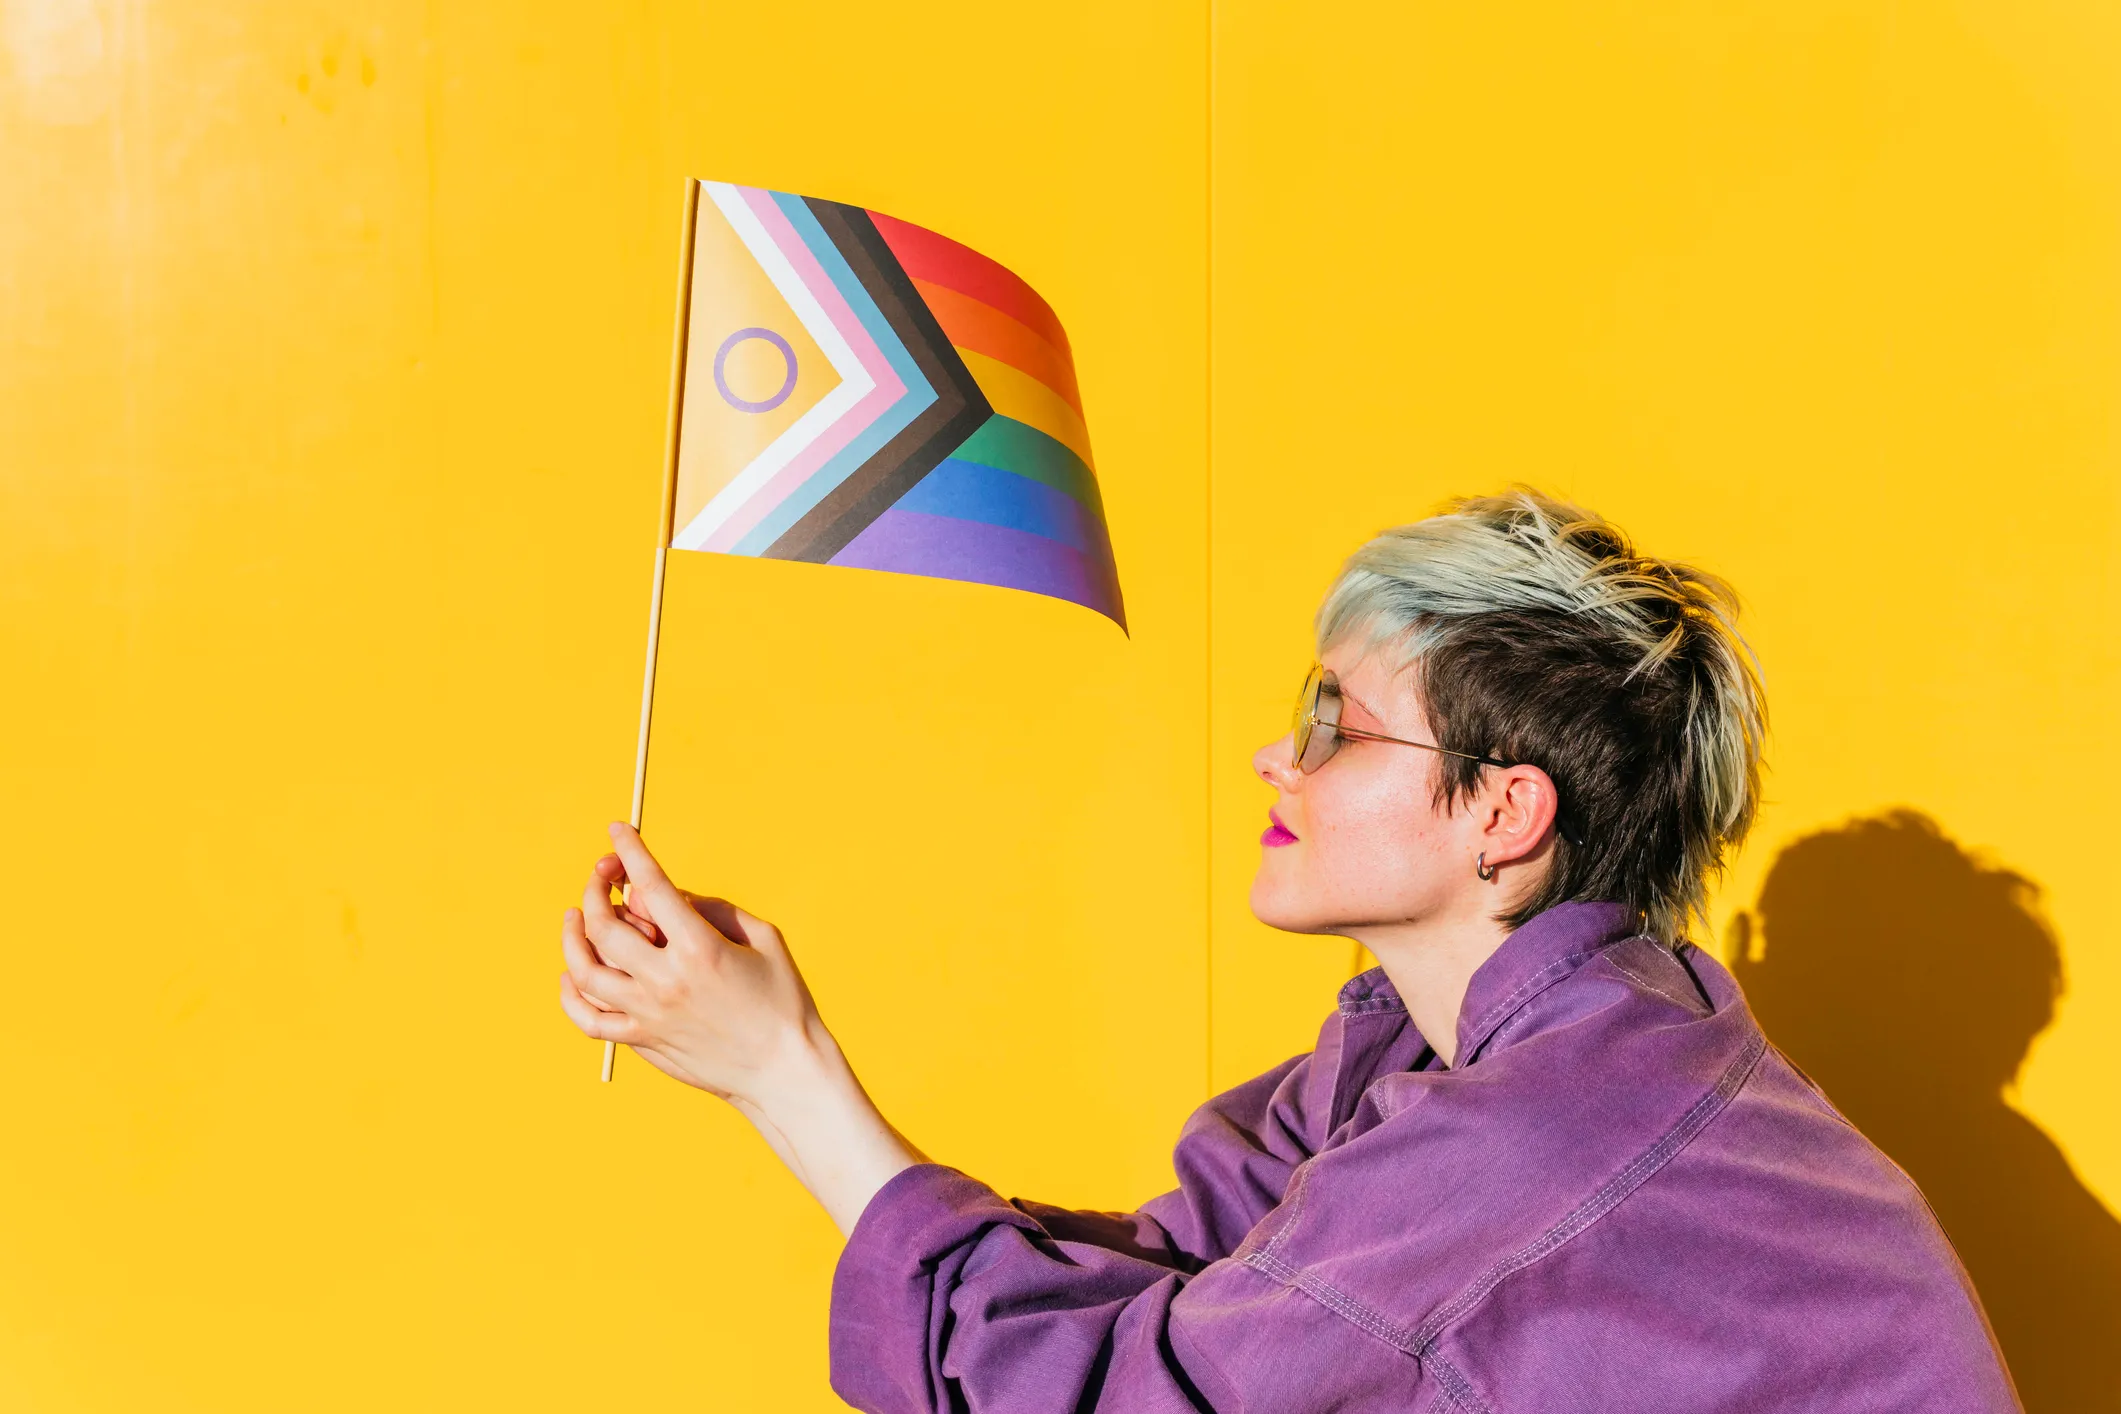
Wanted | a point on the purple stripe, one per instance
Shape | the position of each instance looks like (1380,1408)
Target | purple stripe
(944,547)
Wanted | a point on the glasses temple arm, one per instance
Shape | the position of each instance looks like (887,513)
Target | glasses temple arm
(1563,823)
(1359,734)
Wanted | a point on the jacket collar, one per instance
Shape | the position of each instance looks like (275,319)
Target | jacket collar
(1546,948)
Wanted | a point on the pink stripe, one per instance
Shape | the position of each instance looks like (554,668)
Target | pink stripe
(888,390)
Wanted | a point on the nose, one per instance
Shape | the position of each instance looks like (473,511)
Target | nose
(1275,764)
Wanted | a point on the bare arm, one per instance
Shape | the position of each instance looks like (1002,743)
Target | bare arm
(709,995)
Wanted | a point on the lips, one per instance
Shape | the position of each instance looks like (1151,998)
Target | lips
(1277,833)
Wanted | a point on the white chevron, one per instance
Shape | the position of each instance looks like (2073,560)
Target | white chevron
(855,382)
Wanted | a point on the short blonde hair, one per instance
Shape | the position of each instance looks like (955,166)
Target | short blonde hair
(1537,633)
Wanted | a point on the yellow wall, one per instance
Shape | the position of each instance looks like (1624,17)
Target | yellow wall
(1823,296)
(332,370)
(332,345)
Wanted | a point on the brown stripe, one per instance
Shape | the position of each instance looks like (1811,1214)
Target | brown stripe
(849,508)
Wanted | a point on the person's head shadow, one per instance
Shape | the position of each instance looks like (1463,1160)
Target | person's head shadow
(1908,978)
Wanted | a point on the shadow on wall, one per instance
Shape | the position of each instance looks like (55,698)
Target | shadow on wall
(1908,978)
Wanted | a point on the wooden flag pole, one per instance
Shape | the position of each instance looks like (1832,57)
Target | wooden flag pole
(666,529)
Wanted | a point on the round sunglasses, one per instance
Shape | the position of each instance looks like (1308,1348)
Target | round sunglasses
(1318,732)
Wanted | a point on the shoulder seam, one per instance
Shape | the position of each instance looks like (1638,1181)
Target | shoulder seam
(1600,1203)
(1458,1394)
(1349,1309)
(1421,1343)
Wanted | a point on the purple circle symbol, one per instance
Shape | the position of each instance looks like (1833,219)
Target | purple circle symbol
(721,380)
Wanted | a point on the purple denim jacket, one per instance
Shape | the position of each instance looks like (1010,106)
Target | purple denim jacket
(1621,1198)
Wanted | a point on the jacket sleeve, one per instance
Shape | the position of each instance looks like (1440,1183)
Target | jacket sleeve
(949,1298)
(1233,1160)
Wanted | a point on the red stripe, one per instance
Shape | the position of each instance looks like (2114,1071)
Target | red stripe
(942,261)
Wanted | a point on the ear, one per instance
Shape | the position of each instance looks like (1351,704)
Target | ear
(1515,813)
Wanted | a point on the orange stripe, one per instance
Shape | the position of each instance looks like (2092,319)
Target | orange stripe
(985,329)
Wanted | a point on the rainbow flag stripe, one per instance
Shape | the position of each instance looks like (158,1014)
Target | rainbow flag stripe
(862,391)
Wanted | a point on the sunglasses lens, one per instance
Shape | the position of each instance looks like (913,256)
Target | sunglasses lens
(1317,714)
(1300,720)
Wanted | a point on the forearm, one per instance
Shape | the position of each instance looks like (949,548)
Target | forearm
(821,1123)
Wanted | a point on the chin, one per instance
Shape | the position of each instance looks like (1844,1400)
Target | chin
(1284,908)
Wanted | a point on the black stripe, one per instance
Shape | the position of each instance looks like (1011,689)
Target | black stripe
(940,429)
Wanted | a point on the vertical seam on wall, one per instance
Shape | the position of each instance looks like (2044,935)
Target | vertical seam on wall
(1208,558)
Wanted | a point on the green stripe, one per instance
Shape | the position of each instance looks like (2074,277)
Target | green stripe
(1009,445)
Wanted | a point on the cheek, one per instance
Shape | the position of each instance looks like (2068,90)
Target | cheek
(1370,831)
(1369,849)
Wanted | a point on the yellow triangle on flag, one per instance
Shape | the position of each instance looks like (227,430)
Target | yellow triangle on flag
(753,369)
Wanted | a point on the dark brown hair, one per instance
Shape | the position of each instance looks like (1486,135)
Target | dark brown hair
(1537,633)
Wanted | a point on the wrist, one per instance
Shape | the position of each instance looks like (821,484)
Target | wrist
(803,1080)
(820,1120)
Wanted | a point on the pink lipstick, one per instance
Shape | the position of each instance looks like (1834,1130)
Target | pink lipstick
(1277,833)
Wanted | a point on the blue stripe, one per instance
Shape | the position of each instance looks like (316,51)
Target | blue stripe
(972,491)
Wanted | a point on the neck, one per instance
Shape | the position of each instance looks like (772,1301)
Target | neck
(1430,962)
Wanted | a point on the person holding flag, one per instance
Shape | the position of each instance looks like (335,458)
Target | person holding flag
(1541,1158)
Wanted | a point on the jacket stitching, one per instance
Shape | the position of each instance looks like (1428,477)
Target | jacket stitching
(1503,1032)
(1464,1396)
(1603,1201)
(1526,988)
(1459,1393)
(1643,981)
(1301,1186)
(1333,1299)
(1421,1343)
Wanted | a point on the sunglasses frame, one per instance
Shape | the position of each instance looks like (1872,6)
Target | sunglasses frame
(1318,683)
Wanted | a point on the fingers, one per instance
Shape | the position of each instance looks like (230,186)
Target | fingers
(597,1025)
(642,923)
(618,943)
(605,988)
(649,888)
(613,873)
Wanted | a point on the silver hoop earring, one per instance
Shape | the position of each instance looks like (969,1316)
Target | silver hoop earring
(1480,866)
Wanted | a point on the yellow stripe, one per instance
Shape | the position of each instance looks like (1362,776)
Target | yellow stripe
(1017,394)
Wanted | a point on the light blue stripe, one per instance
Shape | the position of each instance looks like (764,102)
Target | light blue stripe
(919,395)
